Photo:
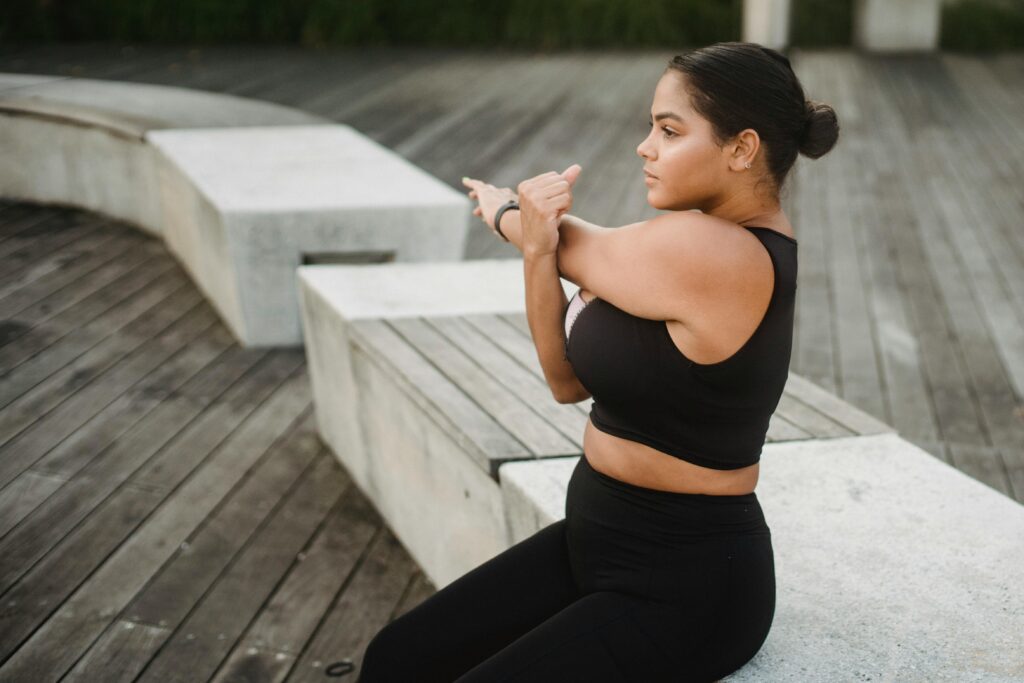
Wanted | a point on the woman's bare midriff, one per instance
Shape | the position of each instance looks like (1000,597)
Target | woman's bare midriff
(641,465)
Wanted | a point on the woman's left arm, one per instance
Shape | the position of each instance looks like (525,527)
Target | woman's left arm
(534,230)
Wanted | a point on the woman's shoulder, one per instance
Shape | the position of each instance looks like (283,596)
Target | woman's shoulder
(722,241)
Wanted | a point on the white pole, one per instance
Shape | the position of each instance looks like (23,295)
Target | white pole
(766,22)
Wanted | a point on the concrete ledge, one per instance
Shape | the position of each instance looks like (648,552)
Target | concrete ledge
(890,564)
(242,191)
(415,469)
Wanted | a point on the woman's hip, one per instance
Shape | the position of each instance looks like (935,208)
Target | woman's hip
(666,546)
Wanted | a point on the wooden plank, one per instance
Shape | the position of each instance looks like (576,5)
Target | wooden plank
(75,451)
(44,256)
(360,101)
(955,413)
(993,329)
(525,351)
(462,87)
(46,431)
(27,226)
(183,580)
(859,381)
(199,355)
(364,72)
(362,610)
(519,322)
(31,406)
(54,292)
(291,616)
(101,476)
(120,654)
(175,412)
(255,664)
(31,601)
(465,371)
(809,418)
(519,380)
(980,309)
(209,632)
(780,428)
(469,425)
(496,134)
(814,338)
(903,378)
(984,463)
(50,346)
(174,464)
(842,412)
(94,605)
(24,495)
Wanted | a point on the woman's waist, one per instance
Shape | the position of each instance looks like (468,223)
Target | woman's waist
(640,465)
(613,509)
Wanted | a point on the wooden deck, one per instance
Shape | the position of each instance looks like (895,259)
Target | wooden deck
(911,285)
(167,512)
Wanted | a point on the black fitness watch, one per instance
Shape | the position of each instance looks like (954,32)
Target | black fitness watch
(510,204)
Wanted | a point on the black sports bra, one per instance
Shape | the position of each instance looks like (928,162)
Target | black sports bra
(644,388)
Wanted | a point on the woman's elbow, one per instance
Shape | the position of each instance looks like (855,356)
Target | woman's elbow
(572,394)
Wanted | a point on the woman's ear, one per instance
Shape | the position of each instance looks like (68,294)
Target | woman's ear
(744,149)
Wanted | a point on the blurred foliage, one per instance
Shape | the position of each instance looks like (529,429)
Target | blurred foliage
(818,23)
(514,23)
(539,24)
(983,25)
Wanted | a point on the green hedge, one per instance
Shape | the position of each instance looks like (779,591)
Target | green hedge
(514,23)
(543,24)
(983,25)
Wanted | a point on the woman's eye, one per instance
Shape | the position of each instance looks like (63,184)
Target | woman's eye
(666,131)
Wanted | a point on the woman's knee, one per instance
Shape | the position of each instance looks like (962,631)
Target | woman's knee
(385,656)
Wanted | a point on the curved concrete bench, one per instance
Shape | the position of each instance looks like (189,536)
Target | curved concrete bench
(891,565)
(242,191)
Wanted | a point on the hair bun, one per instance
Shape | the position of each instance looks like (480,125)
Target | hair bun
(820,131)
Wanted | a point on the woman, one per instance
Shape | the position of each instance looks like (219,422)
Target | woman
(662,569)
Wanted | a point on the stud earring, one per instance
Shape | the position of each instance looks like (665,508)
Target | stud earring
(747,165)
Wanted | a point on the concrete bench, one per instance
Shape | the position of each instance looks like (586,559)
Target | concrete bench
(891,565)
(243,192)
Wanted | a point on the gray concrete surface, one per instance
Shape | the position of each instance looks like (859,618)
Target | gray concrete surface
(242,207)
(890,564)
(251,203)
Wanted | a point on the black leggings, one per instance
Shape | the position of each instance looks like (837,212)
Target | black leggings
(634,584)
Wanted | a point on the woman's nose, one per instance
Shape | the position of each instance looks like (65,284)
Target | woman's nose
(642,147)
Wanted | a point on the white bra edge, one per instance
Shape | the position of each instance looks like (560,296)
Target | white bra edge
(576,304)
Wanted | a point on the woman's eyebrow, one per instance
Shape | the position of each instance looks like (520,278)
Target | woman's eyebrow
(668,115)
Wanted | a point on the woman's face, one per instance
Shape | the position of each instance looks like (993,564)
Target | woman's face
(679,150)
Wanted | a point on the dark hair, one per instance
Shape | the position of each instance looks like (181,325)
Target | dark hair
(737,85)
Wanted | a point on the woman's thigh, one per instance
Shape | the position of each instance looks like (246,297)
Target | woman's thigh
(601,638)
(476,615)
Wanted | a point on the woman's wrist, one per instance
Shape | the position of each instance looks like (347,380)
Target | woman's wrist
(500,217)
(512,227)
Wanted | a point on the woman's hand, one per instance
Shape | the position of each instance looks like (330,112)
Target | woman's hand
(489,198)
(542,202)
